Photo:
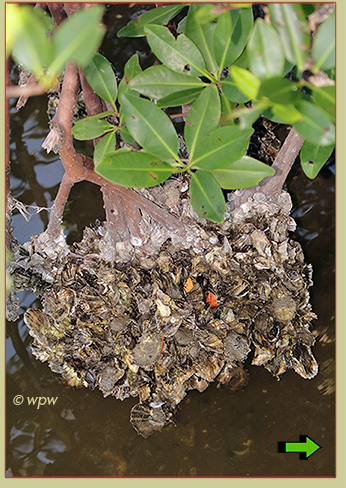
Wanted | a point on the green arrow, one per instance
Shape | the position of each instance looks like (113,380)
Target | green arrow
(306,447)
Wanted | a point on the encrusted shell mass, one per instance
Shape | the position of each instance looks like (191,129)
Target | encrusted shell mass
(134,328)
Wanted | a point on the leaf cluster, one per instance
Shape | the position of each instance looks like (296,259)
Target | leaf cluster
(231,70)
(43,50)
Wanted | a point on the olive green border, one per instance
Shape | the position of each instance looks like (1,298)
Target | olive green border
(341,316)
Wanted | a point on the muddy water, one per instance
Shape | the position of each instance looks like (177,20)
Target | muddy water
(218,433)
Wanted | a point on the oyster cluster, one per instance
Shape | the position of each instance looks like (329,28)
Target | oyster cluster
(148,327)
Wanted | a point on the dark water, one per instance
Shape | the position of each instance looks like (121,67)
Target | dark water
(218,433)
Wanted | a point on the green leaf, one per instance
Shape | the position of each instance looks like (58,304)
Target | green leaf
(330,73)
(231,35)
(131,70)
(226,111)
(206,197)
(77,38)
(210,12)
(179,98)
(231,91)
(105,145)
(179,54)
(150,127)
(314,125)
(244,173)
(266,54)
(221,147)
(160,16)
(12,12)
(202,36)
(308,8)
(101,78)
(203,117)
(90,128)
(206,14)
(159,81)
(222,39)
(279,90)
(245,81)
(133,169)
(28,34)
(124,132)
(285,114)
(313,157)
(324,97)
(323,48)
(293,28)
(243,60)
(181,26)
(247,116)
(101,115)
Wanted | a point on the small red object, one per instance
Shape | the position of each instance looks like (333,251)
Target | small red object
(211,299)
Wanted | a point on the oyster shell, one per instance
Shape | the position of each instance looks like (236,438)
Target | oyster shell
(131,328)
(147,420)
(232,378)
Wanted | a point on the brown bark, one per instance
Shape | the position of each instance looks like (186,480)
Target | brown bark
(57,12)
(55,219)
(31,89)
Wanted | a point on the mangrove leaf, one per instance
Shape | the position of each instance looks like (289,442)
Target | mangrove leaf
(314,125)
(180,55)
(203,117)
(131,70)
(245,81)
(133,169)
(77,38)
(206,197)
(101,78)
(231,35)
(160,81)
(222,147)
(266,55)
(202,35)
(105,145)
(293,28)
(323,48)
(150,127)
(160,16)
(244,173)
(90,128)
(313,157)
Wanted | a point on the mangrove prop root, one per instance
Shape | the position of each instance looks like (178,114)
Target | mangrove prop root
(123,206)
